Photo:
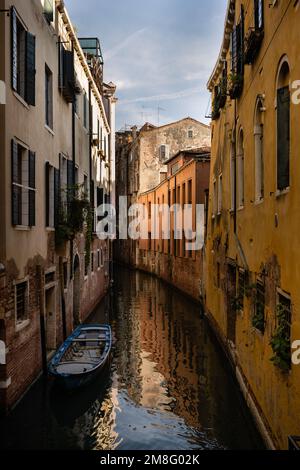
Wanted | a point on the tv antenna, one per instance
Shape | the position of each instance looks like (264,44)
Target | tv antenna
(159,109)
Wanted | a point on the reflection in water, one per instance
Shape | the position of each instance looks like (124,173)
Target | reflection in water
(168,385)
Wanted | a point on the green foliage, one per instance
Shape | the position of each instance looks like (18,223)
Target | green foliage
(235,84)
(72,217)
(258,319)
(280,341)
(237,303)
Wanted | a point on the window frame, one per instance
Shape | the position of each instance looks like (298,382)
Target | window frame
(25,319)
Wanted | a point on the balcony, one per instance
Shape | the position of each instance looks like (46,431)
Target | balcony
(235,86)
(253,42)
(220,98)
(92,51)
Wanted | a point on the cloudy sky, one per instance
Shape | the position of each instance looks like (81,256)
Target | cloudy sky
(160,53)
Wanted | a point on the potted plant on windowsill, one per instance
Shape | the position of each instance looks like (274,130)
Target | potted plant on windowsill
(235,85)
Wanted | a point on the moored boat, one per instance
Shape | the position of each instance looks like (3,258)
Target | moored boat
(82,356)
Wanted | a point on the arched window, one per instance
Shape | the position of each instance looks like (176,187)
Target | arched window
(240,169)
(259,153)
(232,176)
(283,126)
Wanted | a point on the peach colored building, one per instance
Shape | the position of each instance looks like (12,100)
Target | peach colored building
(186,183)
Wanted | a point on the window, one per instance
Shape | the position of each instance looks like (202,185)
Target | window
(220,193)
(283,127)
(232,176)
(190,195)
(215,199)
(98,259)
(259,159)
(259,14)
(85,110)
(67,180)
(101,258)
(240,169)
(23,186)
(190,134)
(163,153)
(66,78)
(22,60)
(50,195)
(92,262)
(49,97)
(21,300)
(175,168)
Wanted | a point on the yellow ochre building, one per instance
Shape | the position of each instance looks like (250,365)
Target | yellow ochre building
(252,251)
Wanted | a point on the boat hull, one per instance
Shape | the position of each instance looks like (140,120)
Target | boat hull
(71,381)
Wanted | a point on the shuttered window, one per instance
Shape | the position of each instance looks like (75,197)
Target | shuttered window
(66,80)
(48,97)
(22,60)
(50,195)
(259,14)
(237,46)
(23,185)
(21,301)
(283,138)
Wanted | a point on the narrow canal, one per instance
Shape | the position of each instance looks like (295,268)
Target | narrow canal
(168,385)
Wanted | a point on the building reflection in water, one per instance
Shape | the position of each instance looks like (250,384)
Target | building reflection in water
(168,385)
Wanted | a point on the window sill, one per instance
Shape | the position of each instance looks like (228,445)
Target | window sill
(22,228)
(241,208)
(22,325)
(282,192)
(50,229)
(21,100)
(49,130)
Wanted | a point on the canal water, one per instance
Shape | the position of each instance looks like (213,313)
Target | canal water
(168,385)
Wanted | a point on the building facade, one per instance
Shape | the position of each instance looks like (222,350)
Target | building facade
(141,162)
(252,294)
(169,256)
(57,158)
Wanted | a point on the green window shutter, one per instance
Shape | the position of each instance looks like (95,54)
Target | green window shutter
(31,204)
(283,138)
(30,69)
(31,169)
(47,190)
(68,80)
(14,50)
(56,196)
(16,191)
